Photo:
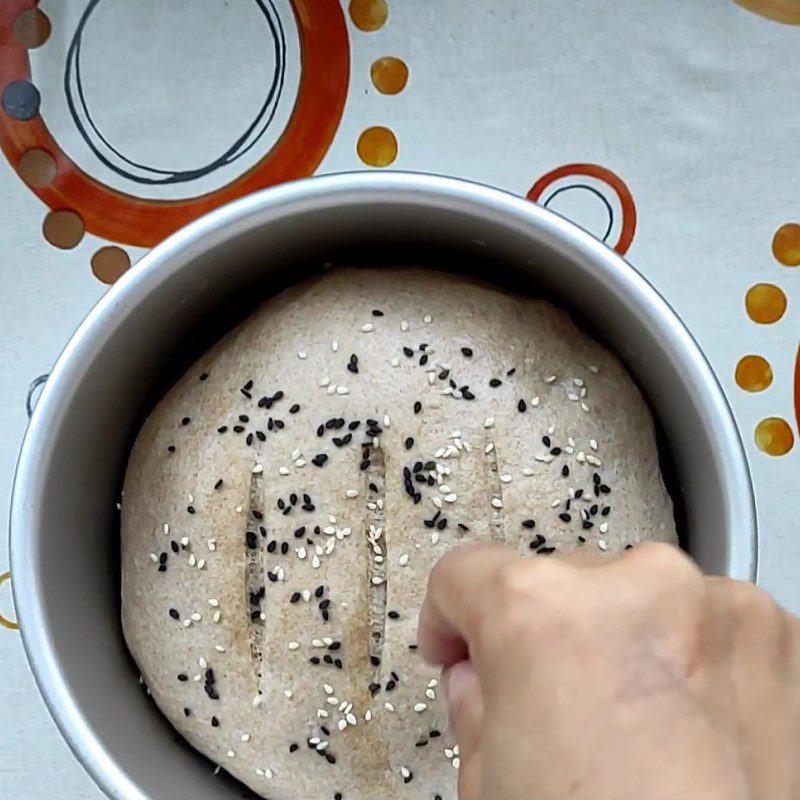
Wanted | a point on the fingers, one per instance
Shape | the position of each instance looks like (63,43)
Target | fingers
(458,600)
(465,708)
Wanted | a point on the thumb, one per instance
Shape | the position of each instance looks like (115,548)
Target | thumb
(465,708)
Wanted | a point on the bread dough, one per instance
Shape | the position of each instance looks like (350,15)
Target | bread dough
(285,502)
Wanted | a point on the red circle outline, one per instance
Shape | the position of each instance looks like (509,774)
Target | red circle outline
(126,219)
(607,176)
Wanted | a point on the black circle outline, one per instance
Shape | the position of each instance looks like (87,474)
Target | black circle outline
(233,153)
(596,193)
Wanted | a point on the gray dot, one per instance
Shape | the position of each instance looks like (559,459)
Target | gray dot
(21,100)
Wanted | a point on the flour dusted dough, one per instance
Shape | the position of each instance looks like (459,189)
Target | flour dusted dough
(236,511)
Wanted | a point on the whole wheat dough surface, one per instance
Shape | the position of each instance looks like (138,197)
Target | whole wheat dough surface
(285,502)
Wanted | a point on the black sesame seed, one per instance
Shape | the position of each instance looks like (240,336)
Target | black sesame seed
(463,526)
(593,509)
(409,442)
(319,460)
(337,662)
(281,503)
(413,647)
(546,441)
(323,604)
(390,686)
(408,778)
(338,795)
(444,375)
(295,598)
(171,448)
(393,615)
(522,406)
(376,312)
(565,517)
(395,676)
(328,659)
(214,722)
(251,539)
(183,677)
(187,712)
(529,524)
(326,615)
(314,660)
(335,646)
(294,409)
(330,758)
(587,525)
(294,747)
(578,494)
(174,545)
(186,420)
(354,424)
(190,509)
(162,559)
(556,451)
(423,360)
(174,613)
(244,418)
(376,662)
(374,688)
(408,351)
(272,577)
(565,471)
(434,734)
(353,367)
(606,511)
(629,547)
(271,546)
(581,539)
(605,489)
(495,382)
(467,351)
(442,523)
(238,428)
(254,615)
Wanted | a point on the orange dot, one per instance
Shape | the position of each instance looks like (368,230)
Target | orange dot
(369,15)
(786,11)
(377,147)
(63,229)
(389,75)
(786,244)
(754,374)
(32,28)
(774,436)
(765,303)
(37,168)
(110,263)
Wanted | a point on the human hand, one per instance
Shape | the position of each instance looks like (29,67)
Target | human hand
(627,677)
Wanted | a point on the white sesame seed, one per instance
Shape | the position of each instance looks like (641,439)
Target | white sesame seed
(154,558)
(497,502)
(448,753)
(341,724)
(351,493)
(342,390)
(196,617)
(315,562)
(219,648)
(572,396)
(534,401)
(388,706)
(306,594)
(335,346)
(314,740)
(331,389)
(231,754)
(368,715)
(217,769)
(259,772)
(435,538)
(427,319)
(294,645)
(284,471)
(367,327)
(395,361)
(545,458)
(322,713)
(268,774)
(238,509)
(506,478)
(405,772)
(201,563)
(351,719)
(550,379)
(593,460)
(456,750)
(456,762)
(192,559)
(584,407)
(551,430)
(245,737)
(602,545)
(212,545)
(594,369)
(300,462)
(430,694)
(332,701)
(404,325)
(317,643)
(377,580)
(603,527)
(450,498)
(420,707)
(302,355)
(257,701)
(166,529)
(488,422)
(489,447)
(577,381)
(403,560)
(527,471)
(258,469)
(301,553)
(321,746)
(217,616)
(593,444)
(202,663)
(387,422)
(324,381)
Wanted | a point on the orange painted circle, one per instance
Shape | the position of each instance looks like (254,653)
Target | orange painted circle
(121,217)
(786,245)
(765,303)
(785,11)
(7,623)
(607,176)
(37,168)
(389,75)
(774,437)
(369,15)
(753,374)
(377,147)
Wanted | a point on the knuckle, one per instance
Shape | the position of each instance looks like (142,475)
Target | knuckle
(756,610)
(667,571)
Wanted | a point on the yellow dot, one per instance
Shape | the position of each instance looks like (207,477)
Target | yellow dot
(774,436)
(754,374)
(786,244)
(765,303)
(63,229)
(110,263)
(389,75)
(377,147)
(369,15)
